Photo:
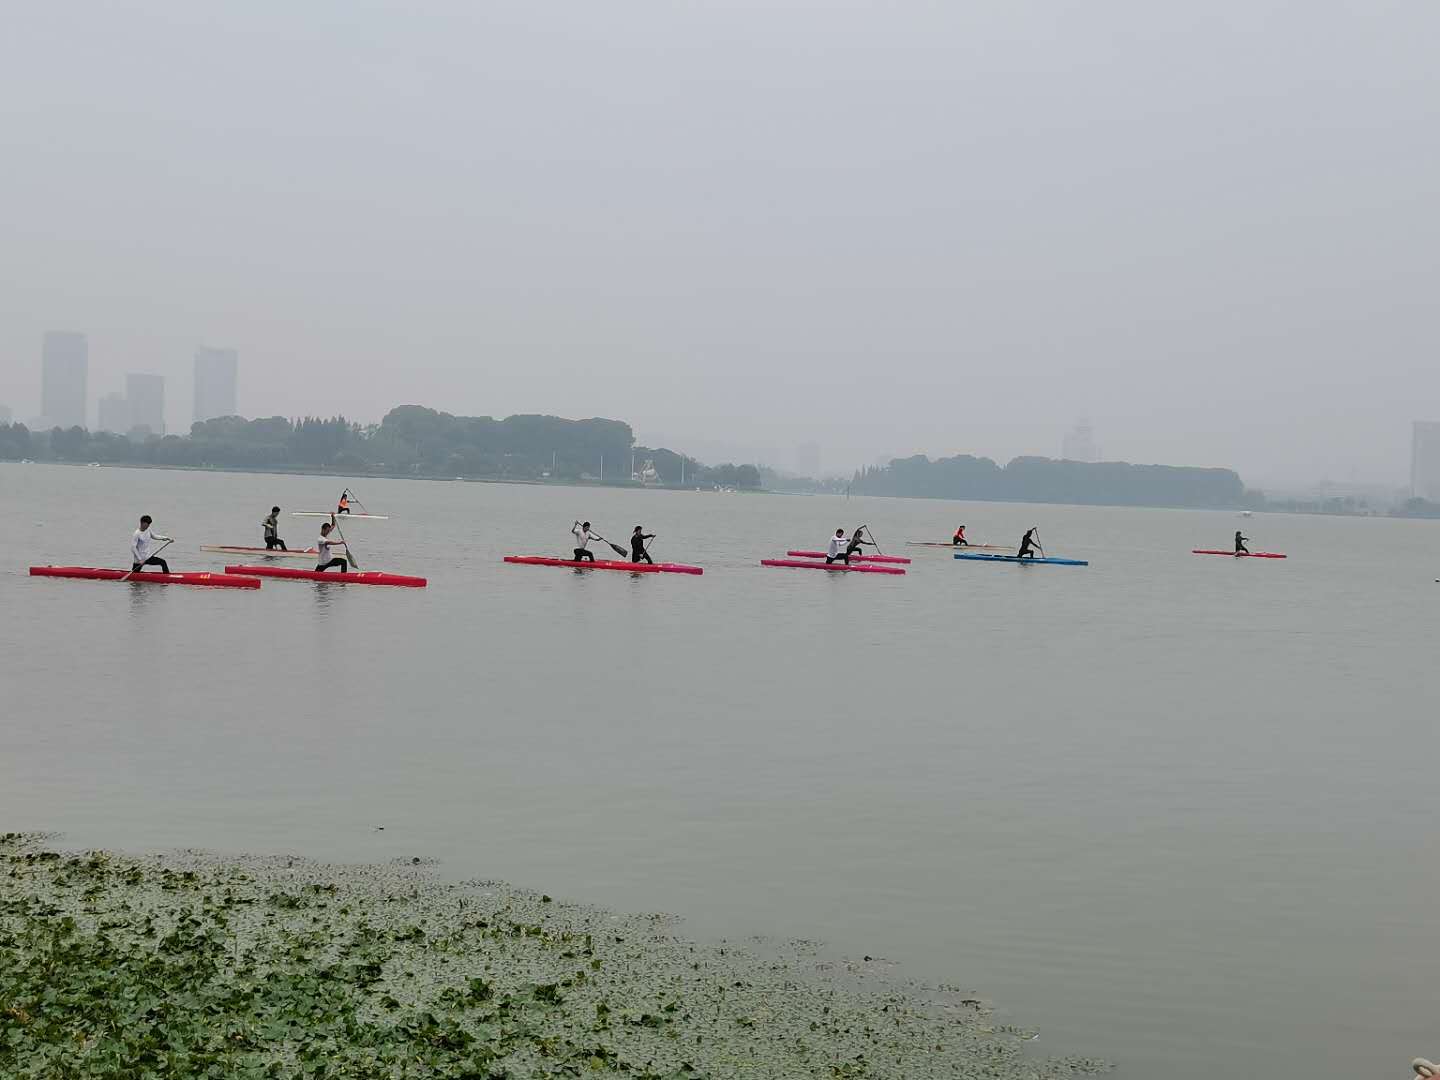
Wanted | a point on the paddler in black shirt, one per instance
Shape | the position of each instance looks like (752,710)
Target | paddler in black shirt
(856,543)
(637,546)
(1240,548)
(272,531)
(1027,545)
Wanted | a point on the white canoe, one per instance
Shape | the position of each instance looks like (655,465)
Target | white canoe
(260,552)
(340,517)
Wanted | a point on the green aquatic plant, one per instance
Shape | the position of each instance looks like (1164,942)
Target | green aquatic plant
(191,965)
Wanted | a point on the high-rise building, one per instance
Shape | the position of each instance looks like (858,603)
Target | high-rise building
(65,367)
(145,394)
(216,372)
(1425,460)
(807,460)
(1079,444)
(113,415)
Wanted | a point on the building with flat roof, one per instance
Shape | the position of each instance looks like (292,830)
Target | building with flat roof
(1425,460)
(216,375)
(145,394)
(1079,443)
(64,373)
(113,414)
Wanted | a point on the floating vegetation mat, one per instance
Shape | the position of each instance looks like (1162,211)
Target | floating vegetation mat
(195,965)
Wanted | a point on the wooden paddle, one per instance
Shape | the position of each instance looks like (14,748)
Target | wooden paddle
(349,554)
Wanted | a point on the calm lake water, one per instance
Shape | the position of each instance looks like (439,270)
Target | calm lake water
(1175,811)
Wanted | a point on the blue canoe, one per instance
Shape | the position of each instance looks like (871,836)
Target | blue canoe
(1017,559)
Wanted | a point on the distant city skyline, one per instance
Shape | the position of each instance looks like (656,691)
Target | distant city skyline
(913,228)
(1079,443)
(216,379)
(64,374)
(145,397)
(66,368)
(1425,460)
(113,414)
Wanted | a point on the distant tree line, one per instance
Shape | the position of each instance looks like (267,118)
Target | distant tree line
(1035,479)
(411,440)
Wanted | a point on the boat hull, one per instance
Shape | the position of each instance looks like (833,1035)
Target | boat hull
(605,564)
(354,577)
(837,567)
(260,552)
(898,559)
(226,580)
(339,517)
(1016,559)
(1242,554)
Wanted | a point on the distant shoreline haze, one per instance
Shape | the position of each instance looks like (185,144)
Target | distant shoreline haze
(416,441)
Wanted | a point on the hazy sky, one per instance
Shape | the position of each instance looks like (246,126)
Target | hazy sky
(890,227)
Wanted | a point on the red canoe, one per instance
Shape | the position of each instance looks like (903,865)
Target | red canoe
(606,564)
(368,577)
(839,567)
(853,558)
(1241,555)
(226,580)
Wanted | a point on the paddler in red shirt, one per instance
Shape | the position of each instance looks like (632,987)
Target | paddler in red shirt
(958,540)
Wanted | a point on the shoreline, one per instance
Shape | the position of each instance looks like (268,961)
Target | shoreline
(190,960)
(631,485)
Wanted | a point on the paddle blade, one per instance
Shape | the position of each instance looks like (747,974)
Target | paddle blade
(349,554)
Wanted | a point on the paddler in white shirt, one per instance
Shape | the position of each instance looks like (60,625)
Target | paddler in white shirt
(324,558)
(838,549)
(142,548)
(583,536)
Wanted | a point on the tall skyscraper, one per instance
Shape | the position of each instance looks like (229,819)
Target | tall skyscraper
(113,415)
(1425,460)
(216,372)
(145,395)
(807,460)
(1079,444)
(65,368)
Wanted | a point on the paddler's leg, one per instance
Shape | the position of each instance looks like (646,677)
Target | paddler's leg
(153,560)
(344,566)
(583,554)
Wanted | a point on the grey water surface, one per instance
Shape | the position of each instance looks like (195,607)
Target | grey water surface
(1175,811)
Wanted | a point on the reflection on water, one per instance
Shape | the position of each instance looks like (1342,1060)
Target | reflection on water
(1160,807)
